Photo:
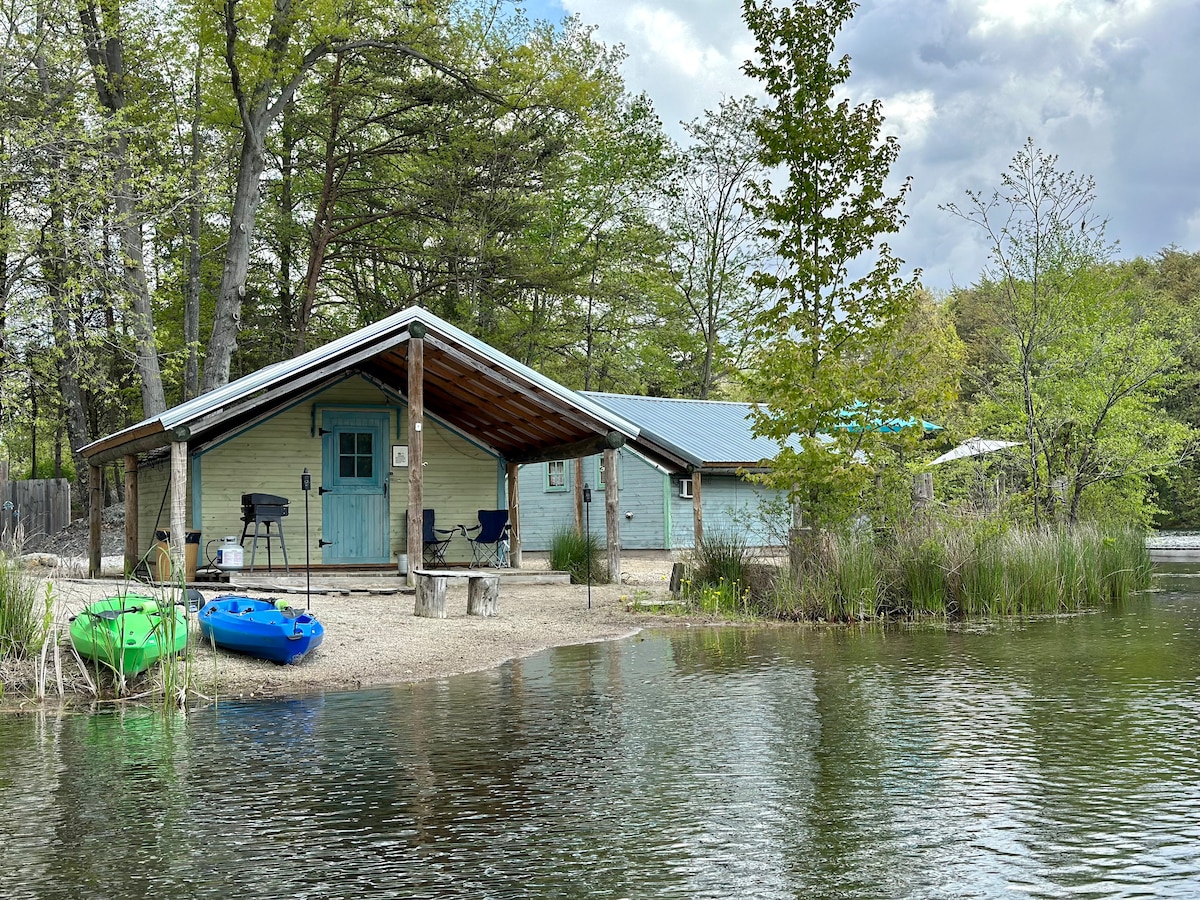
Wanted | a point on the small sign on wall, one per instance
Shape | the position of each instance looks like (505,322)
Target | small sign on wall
(399,455)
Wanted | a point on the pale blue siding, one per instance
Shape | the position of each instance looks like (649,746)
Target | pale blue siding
(653,515)
(731,505)
(642,505)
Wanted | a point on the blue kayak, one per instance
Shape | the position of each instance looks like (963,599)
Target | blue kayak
(268,629)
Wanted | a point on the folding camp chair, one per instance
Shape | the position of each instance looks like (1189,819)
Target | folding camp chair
(433,547)
(489,546)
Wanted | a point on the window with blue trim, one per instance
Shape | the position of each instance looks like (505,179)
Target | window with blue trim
(356,454)
(556,475)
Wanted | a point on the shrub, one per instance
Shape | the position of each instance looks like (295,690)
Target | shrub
(578,554)
(23,618)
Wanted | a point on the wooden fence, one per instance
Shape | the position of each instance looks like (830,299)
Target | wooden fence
(34,508)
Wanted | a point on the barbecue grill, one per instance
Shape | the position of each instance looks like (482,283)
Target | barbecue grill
(262,511)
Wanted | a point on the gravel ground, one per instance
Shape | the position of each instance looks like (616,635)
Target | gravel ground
(372,636)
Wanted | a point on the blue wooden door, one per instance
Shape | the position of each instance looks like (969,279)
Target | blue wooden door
(355,524)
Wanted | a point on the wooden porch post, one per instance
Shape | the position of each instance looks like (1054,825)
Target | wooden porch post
(179,467)
(95,502)
(514,515)
(697,511)
(612,514)
(416,444)
(131,513)
(579,495)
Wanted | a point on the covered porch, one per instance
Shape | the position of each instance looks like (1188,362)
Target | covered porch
(431,378)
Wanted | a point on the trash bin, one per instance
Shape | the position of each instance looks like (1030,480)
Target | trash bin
(160,554)
(402,564)
(191,550)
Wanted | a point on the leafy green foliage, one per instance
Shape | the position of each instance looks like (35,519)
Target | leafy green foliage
(1073,355)
(580,554)
(24,611)
(836,298)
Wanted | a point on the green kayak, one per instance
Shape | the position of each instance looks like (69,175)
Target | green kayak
(129,634)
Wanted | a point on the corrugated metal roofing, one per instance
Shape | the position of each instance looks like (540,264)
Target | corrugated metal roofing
(468,384)
(714,433)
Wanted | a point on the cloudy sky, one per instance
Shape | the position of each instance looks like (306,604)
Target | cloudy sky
(1110,86)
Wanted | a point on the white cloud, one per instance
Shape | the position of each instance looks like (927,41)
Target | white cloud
(1110,86)
(910,116)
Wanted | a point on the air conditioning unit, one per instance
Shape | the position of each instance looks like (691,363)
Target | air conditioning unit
(685,488)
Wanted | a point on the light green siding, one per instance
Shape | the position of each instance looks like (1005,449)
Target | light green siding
(459,477)
(154,505)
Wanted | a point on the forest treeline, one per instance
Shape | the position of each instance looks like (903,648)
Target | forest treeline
(195,189)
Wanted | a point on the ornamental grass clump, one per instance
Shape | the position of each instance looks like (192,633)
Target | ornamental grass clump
(718,576)
(23,615)
(579,554)
(26,626)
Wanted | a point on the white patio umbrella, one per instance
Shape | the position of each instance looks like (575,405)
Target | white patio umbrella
(973,447)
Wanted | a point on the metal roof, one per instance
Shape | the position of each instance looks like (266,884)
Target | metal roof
(471,386)
(703,434)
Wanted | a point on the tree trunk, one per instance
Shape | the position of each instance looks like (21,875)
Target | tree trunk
(228,315)
(191,302)
(107,58)
(322,232)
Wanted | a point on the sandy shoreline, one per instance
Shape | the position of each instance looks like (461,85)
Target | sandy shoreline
(373,638)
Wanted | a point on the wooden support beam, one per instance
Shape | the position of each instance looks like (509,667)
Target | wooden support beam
(612,514)
(514,515)
(611,440)
(179,472)
(416,445)
(697,511)
(132,551)
(140,445)
(95,507)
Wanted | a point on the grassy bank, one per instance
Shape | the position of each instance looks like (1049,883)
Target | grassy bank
(954,570)
(27,629)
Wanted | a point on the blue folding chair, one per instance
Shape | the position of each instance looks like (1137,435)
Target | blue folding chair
(489,545)
(433,547)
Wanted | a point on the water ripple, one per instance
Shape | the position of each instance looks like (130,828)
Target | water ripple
(1044,759)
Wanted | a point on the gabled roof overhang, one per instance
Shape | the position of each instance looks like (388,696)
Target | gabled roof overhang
(517,413)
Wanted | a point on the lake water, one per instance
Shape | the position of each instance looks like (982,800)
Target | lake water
(1052,758)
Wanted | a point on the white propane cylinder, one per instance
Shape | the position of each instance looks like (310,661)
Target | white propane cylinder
(229,554)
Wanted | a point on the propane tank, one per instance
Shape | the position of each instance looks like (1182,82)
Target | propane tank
(229,554)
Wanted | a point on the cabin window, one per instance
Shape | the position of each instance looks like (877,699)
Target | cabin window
(685,488)
(356,454)
(556,475)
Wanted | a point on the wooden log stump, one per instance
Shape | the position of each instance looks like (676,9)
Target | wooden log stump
(483,595)
(676,578)
(431,596)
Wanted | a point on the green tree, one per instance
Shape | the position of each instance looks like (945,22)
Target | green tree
(1080,353)
(716,243)
(836,298)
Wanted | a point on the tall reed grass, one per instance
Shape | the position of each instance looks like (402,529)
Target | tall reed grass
(716,582)
(24,618)
(953,570)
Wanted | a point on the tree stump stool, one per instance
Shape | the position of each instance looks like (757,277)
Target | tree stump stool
(483,592)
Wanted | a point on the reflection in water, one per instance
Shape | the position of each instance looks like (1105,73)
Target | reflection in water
(1036,759)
